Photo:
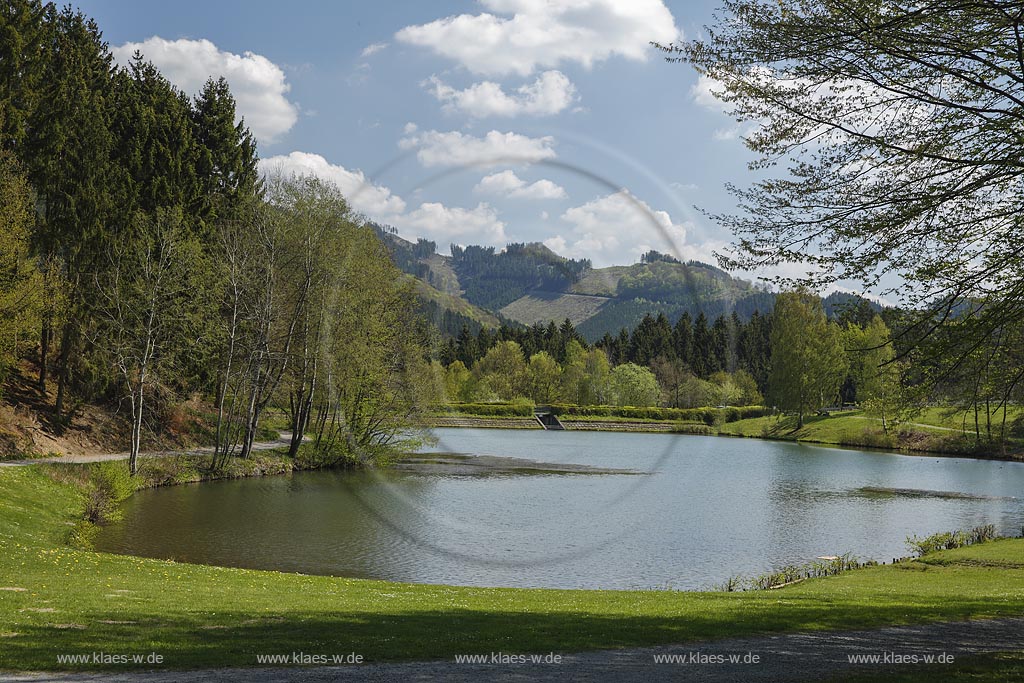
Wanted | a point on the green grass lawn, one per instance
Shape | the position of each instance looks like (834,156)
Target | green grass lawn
(856,429)
(68,601)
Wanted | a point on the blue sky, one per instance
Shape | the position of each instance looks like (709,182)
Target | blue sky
(470,122)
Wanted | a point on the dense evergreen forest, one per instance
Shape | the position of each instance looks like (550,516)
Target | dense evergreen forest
(493,279)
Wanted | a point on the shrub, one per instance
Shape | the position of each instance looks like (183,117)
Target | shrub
(109,484)
(516,409)
(709,416)
(950,540)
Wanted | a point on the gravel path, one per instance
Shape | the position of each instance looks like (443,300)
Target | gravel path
(282,440)
(789,657)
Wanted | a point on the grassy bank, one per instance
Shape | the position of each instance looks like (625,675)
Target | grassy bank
(935,430)
(932,434)
(56,600)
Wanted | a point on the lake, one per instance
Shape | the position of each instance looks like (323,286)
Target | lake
(706,509)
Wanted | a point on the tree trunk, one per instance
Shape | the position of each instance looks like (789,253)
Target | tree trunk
(222,390)
(44,347)
(136,446)
(63,359)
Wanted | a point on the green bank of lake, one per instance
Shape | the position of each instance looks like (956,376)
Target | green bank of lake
(633,511)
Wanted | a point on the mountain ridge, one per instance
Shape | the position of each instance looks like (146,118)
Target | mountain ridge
(528,283)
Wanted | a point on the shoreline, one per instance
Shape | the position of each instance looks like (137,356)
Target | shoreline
(118,602)
(700,429)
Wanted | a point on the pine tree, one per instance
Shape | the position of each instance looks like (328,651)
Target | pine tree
(21,68)
(682,339)
(67,155)
(700,359)
(227,161)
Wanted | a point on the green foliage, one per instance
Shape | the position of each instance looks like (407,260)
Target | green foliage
(21,283)
(491,409)
(544,377)
(808,362)
(108,484)
(504,370)
(707,416)
(950,539)
(633,385)
(876,373)
(226,160)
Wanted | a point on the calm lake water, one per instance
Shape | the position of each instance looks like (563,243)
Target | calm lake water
(710,508)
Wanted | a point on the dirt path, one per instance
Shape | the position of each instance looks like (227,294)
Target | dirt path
(789,657)
(282,440)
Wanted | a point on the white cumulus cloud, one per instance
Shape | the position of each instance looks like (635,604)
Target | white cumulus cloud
(434,148)
(619,227)
(518,36)
(374,201)
(479,225)
(373,48)
(508,184)
(549,94)
(258,84)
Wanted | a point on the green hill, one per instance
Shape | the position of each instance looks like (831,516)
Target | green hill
(529,283)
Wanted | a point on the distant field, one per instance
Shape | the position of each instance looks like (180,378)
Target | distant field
(445,278)
(545,306)
(600,282)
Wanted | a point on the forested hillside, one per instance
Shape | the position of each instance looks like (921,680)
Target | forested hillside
(528,283)
(147,265)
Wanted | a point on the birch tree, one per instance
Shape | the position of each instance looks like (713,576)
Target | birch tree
(146,308)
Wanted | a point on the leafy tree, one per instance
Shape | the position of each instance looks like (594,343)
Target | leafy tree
(672,375)
(458,382)
(544,376)
(900,123)
(575,385)
(597,377)
(808,361)
(635,386)
(146,305)
(504,368)
(749,394)
(875,371)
